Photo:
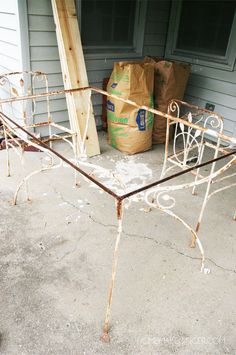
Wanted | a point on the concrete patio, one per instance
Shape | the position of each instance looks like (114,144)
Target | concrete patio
(55,258)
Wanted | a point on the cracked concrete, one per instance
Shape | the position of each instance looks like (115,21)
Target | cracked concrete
(55,263)
(137,235)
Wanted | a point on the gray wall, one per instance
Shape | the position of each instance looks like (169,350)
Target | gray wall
(9,37)
(217,87)
(156,27)
(44,52)
(44,57)
(10,52)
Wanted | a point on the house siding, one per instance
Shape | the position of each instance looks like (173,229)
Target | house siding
(156,28)
(44,51)
(10,51)
(215,86)
(9,37)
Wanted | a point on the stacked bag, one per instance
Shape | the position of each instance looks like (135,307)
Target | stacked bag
(133,130)
(170,83)
(130,128)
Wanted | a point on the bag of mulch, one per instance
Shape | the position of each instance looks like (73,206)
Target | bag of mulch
(170,83)
(130,128)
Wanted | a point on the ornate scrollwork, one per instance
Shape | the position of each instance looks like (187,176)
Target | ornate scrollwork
(174,108)
(214,121)
(165,200)
(4,80)
(188,139)
(159,199)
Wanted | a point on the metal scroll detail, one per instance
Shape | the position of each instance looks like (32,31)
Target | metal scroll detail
(188,142)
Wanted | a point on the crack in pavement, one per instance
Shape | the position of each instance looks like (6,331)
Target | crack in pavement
(81,211)
(68,253)
(177,251)
(138,235)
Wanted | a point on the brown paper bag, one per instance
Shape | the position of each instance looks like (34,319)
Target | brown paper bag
(130,128)
(170,82)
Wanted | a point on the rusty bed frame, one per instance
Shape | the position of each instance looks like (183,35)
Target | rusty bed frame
(150,193)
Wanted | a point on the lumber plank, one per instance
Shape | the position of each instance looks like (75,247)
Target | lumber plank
(74,72)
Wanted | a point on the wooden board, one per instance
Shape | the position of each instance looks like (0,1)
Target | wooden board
(74,72)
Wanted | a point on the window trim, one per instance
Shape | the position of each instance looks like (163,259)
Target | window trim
(136,50)
(219,62)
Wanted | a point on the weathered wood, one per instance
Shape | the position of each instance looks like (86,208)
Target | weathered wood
(74,72)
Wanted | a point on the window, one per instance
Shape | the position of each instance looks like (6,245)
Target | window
(112,25)
(203,32)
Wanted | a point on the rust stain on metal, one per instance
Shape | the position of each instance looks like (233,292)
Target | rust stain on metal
(118,209)
(105,336)
(197,227)
(39,124)
(193,241)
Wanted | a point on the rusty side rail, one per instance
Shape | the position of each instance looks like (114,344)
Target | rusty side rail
(148,109)
(102,186)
